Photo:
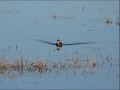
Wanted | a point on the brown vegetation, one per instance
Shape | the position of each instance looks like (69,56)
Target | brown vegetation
(85,62)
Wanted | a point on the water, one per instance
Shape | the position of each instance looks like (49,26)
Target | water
(81,66)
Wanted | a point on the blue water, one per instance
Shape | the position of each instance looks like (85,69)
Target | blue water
(24,22)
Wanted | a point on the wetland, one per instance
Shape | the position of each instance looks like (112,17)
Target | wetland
(87,59)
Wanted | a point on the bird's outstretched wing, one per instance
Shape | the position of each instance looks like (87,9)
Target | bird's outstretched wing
(46,42)
(65,44)
(79,43)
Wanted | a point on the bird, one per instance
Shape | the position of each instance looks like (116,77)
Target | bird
(59,43)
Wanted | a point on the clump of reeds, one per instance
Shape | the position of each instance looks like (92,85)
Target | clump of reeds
(94,63)
(77,63)
(39,65)
(118,23)
(4,65)
(71,63)
(108,21)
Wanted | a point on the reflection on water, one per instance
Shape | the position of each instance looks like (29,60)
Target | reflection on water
(58,48)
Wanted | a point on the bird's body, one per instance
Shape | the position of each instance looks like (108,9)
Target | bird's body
(59,43)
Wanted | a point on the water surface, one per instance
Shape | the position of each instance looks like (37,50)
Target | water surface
(75,65)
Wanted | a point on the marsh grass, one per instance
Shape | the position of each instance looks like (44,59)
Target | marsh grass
(87,62)
(108,21)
